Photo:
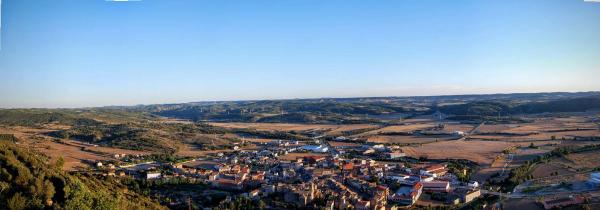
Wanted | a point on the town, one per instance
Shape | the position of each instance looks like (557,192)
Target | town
(325,175)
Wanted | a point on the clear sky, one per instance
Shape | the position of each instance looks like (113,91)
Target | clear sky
(74,53)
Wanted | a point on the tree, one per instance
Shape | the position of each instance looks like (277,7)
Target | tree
(60,162)
(17,202)
(27,182)
(49,190)
(261,204)
(376,180)
(4,186)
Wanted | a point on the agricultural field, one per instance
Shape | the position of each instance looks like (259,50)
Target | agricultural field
(398,128)
(349,128)
(528,204)
(571,163)
(402,139)
(500,168)
(287,127)
(452,126)
(540,129)
(482,152)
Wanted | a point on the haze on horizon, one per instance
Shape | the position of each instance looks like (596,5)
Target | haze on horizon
(61,53)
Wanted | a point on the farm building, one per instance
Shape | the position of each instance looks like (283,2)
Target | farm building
(436,186)
(467,195)
(434,170)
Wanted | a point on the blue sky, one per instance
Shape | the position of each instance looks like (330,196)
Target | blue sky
(76,53)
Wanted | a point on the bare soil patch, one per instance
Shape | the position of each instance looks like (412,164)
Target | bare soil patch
(403,139)
(483,152)
(451,127)
(400,128)
(330,129)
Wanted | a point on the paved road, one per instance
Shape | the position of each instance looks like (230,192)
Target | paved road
(475,128)
(508,161)
(470,132)
(520,195)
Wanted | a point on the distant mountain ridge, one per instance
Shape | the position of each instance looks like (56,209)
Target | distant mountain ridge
(321,110)
(493,96)
(367,110)
(491,108)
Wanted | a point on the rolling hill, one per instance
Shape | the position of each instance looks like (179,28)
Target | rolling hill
(28,181)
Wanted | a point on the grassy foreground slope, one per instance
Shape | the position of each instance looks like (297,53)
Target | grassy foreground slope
(27,181)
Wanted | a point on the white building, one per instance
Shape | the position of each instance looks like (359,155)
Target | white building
(379,147)
(473,184)
(315,148)
(153,175)
(341,138)
(394,155)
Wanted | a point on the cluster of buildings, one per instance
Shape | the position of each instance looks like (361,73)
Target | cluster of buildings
(318,173)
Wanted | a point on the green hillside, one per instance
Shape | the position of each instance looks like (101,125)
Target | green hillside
(27,181)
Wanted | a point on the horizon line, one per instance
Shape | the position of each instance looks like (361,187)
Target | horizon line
(308,98)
